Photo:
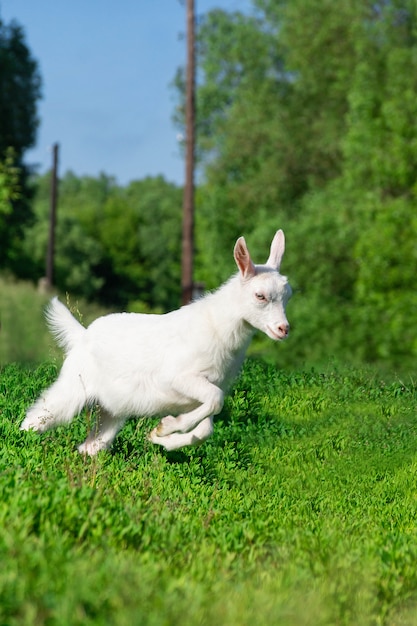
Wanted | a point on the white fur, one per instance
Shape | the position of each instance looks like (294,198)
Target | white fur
(178,364)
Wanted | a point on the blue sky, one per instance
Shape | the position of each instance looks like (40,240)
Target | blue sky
(107,68)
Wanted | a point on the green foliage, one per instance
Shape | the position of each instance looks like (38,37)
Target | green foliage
(9,183)
(113,244)
(19,93)
(20,85)
(272,107)
(153,207)
(300,510)
(381,139)
(317,136)
(385,287)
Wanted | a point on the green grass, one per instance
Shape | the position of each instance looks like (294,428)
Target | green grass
(301,510)
(24,337)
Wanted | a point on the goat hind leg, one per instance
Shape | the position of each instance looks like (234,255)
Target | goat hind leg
(103,433)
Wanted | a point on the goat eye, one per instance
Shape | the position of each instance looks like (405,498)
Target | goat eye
(261,297)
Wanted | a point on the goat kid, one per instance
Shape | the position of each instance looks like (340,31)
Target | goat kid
(179,364)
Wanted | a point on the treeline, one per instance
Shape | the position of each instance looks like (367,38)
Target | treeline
(307,120)
(120,246)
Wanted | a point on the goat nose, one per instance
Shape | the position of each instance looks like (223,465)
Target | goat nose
(284,329)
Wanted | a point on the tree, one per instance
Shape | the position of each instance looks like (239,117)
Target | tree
(355,252)
(116,245)
(271,101)
(158,205)
(381,160)
(385,292)
(9,183)
(20,89)
(308,121)
(78,253)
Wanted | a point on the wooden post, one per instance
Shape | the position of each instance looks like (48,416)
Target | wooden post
(50,257)
(188,207)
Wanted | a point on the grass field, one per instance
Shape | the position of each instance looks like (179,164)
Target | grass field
(301,510)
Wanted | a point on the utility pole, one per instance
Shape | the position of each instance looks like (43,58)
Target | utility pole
(188,207)
(50,257)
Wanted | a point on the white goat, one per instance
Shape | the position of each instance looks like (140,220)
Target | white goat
(180,363)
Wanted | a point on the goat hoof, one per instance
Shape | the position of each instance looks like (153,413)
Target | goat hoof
(91,448)
(153,438)
(37,424)
(167,426)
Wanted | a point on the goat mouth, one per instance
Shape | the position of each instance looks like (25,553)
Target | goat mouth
(275,335)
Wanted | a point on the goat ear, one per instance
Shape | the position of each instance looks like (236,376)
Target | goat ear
(277,250)
(243,260)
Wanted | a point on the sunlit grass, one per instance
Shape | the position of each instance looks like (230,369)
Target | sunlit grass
(301,509)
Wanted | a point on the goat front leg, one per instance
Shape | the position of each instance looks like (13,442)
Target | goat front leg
(196,388)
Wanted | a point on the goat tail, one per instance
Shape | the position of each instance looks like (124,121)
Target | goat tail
(66,330)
